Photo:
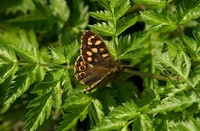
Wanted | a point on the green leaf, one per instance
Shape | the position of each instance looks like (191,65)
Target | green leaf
(154,4)
(14,7)
(178,102)
(71,50)
(57,55)
(191,14)
(57,97)
(159,20)
(66,81)
(121,8)
(51,96)
(51,81)
(23,43)
(8,61)
(125,22)
(190,124)
(107,97)
(143,123)
(60,9)
(177,60)
(131,43)
(95,112)
(118,118)
(76,107)
(104,28)
(106,4)
(24,77)
(102,15)
(40,110)
(192,46)
(6,53)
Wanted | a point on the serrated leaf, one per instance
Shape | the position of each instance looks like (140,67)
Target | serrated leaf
(76,107)
(176,103)
(25,76)
(191,14)
(66,81)
(95,112)
(8,62)
(57,97)
(6,53)
(190,124)
(106,4)
(102,15)
(130,43)
(104,28)
(57,55)
(118,118)
(121,8)
(177,60)
(192,47)
(40,110)
(51,81)
(60,8)
(71,50)
(159,20)
(143,123)
(23,43)
(153,3)
(39,19)
(125,22)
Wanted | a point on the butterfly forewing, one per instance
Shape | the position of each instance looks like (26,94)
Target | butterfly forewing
(94,50)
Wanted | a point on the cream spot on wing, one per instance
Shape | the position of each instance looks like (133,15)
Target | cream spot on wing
(101,49)
(95,50)
(90,40)
(105,55)
(82,63)
(98,42)
(89,53)
(89,43)
(89,59)
(82,74)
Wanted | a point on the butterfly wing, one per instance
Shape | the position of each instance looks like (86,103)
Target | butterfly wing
(95,65)
(94,50)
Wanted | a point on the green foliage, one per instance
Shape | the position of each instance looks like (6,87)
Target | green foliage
(40,41)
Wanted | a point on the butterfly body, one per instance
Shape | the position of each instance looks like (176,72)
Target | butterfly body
(95,66)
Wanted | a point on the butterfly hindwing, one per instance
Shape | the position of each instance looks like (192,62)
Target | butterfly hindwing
(88,74)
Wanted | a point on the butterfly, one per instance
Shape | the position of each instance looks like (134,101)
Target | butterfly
(95,66)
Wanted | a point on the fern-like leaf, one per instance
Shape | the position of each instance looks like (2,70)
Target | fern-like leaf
(121,8)
(102,15)
(178,102)
(125,22)
(76,107)
(153,4)
(8,64)
(177,60)
(104,28)
(40,110)
(50,90)
(118,118)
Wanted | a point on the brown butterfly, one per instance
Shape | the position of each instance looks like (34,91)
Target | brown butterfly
(95,66)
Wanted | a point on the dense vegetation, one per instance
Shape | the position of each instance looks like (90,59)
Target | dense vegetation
(40,41)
